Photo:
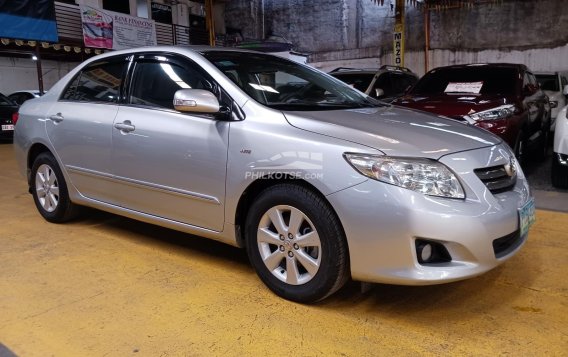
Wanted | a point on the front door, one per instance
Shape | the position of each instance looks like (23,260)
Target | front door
(167,163)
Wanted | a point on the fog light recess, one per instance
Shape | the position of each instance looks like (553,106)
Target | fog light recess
(431,252)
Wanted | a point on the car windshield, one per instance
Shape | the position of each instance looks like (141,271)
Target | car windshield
(472,79)
(548,82)
(358,81)
(4,101)
(282,84)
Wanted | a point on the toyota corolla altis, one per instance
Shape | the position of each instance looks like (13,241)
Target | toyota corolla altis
(319,182)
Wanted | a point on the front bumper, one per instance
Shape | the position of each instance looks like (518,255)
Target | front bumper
(382,223)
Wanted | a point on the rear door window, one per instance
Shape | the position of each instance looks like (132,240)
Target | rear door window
(99,82)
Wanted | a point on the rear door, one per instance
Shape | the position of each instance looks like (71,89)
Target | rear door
(167,163)
(80,123)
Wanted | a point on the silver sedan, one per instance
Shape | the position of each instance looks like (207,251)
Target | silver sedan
(319,182)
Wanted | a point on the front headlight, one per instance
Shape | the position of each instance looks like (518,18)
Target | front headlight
(501,112)
(425,176)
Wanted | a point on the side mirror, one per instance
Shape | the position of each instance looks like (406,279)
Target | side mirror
(379,92)
(565,91)
(196,101)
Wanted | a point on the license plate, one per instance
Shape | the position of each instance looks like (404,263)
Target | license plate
(7,127)
(526,217)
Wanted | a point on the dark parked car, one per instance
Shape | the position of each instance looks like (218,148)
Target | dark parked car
(502,98)
(387,83)
(8,117)
(21,96)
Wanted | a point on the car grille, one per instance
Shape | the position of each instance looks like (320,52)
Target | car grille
(507,244)
(496,178)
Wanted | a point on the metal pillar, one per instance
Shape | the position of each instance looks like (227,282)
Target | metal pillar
(426,37)
(210,21)
(39,71)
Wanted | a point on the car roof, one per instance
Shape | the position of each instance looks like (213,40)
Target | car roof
(177,48)
(472,65)
(180,49)
(383,68)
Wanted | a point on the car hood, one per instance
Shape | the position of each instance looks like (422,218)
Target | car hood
(395,131)
(453,105)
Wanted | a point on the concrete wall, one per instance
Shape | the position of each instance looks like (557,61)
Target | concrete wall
(21,73)
(359,32)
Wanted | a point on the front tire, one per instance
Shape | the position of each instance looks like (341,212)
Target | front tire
(49,190)
(296,244)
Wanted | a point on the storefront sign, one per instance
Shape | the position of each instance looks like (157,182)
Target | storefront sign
(161,13)
(398,46)
(113,30)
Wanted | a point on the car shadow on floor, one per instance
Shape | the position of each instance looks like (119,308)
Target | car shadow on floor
(162,238)
(418,302)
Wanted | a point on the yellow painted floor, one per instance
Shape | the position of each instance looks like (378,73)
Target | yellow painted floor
(108,286)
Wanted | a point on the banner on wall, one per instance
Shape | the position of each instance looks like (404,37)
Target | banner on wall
(116,31)
(28,20)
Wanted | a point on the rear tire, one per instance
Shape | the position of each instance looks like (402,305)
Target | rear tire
(296,244)
(559,173)
(49,190)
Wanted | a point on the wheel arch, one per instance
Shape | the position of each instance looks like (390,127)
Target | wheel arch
(34,151)
(258,186)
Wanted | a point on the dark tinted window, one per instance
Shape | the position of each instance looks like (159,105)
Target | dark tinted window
(496,80)
(384,82)
(5,101)
(155,83)
(358,81)
(99,82)
(401,82)
(548,82)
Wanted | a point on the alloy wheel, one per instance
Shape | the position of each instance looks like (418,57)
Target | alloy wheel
(289,245)
(47,188)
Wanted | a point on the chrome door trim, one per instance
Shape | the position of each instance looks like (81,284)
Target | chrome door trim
(143,184)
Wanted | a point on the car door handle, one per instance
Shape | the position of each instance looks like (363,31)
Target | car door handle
(125,126)
(57,118)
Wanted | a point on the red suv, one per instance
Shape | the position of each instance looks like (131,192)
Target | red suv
(500,97)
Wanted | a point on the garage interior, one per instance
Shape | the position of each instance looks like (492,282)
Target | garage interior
(105,285)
